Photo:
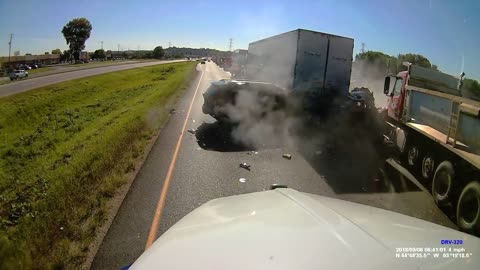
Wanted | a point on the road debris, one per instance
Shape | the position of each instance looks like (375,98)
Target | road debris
(245,166)
(252,153)
(192,131)
(287,156)
(242,180)
(193,120)
(172,111)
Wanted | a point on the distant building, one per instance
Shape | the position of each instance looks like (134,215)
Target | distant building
(115,54)
(45,59)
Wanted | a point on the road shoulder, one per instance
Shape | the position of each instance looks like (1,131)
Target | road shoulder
(116,202)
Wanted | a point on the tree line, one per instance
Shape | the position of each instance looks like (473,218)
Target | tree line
(378,64)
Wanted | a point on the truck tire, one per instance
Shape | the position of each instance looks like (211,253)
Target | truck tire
(428,166)
(413,153)
(442,186)
(468,208)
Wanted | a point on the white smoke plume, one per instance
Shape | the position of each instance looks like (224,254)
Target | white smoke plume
(259,125)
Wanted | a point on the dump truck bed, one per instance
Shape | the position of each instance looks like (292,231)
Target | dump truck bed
(450,120)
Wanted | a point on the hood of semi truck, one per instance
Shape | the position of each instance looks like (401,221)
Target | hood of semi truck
(287,229)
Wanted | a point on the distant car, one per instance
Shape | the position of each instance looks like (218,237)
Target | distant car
(27,67)
(221,100)
(34,66)
(17,74)
(203,62)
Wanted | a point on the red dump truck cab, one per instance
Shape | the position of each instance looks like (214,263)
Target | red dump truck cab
(397,98)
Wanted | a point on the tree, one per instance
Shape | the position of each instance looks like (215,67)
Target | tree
(471,89)
(65,55)
(416,59)
(376,64)
(147,55)
(99,54)
(158,52)
(76,32)
(390,64)
(56,51)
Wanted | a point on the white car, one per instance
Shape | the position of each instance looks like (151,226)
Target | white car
(287,229)
(19,73)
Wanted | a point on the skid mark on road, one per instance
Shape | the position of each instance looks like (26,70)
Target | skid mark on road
(163,194)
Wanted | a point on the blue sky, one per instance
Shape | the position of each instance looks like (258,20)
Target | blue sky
(446,31)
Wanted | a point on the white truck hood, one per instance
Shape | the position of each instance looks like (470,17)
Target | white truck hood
(287,229)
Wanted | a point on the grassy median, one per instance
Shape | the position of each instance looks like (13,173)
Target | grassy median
(64,151)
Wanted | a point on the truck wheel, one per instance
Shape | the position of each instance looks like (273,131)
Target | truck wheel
(443,183)
(412,155)
(468,208)
(428,166)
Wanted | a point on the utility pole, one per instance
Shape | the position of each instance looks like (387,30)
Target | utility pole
(102,44)
(230,44)
(10,48)
(363,47)
(169,44)
(118,50)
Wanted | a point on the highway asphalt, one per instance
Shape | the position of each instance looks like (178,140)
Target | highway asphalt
(31,83)
(207,167)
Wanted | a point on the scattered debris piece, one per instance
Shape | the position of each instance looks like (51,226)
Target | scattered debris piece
(252,153)
(245,166)
(172,111)
(61,228)
(255,152)
(287,156)
(193,120)
(198,148)
(242,180)
(192,131)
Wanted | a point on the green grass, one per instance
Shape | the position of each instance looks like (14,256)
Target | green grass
(39,70)
(64,151)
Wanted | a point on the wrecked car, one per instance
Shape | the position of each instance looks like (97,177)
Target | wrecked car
(231,101)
